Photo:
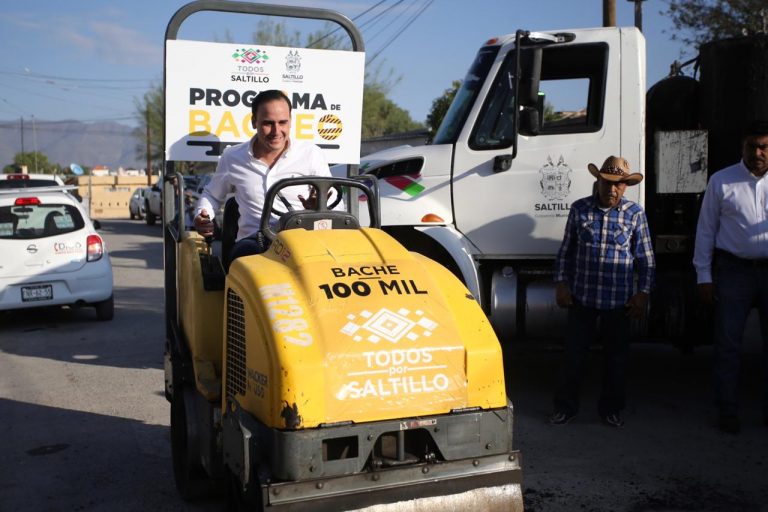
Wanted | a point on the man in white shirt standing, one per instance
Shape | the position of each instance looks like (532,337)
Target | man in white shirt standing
(250,168)
(731,260)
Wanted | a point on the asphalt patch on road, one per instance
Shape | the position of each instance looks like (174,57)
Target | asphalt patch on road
(676,496)
(47,449)
(694,496)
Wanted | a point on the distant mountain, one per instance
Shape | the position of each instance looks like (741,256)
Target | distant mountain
(64,142)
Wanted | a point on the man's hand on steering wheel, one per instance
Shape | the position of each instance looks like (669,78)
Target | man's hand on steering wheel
(310,203)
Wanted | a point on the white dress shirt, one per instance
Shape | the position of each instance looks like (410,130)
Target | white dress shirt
(239,172)
(733,217)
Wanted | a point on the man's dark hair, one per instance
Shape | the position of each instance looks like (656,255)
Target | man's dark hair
(756,128)
(267,96)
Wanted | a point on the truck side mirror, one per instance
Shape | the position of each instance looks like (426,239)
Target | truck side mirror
(530,121)
(530,74)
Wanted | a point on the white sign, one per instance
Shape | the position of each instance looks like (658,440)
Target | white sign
(209,88)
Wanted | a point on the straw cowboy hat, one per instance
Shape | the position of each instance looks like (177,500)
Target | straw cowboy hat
(616,168)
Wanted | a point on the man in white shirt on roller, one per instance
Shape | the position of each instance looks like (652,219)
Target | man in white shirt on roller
(249,169)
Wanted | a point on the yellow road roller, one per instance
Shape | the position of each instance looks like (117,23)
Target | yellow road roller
(336,371)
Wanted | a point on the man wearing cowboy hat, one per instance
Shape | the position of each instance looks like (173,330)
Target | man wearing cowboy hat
(606,243)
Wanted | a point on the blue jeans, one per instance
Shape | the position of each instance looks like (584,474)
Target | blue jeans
(739,286)
(247,246)
(582,327)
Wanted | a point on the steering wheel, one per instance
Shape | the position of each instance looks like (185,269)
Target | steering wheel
(323,185)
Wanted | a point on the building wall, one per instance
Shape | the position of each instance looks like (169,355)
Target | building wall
(111,194)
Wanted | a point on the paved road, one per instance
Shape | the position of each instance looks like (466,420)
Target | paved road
(84,424)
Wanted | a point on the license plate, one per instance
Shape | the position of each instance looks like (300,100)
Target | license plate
(38,292)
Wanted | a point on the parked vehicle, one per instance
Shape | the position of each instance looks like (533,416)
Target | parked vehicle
(18,180)
(153,203)
(52,255)
(137,203)
(490,196)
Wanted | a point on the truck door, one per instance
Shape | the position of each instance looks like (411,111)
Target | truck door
(519,209)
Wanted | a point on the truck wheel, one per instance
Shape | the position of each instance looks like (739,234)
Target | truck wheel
(150,218)
(133,216)
(192,481)
(105,310)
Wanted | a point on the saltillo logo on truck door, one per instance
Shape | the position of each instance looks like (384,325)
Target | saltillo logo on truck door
(555,186)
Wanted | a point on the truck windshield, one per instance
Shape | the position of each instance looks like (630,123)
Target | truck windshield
(465,97)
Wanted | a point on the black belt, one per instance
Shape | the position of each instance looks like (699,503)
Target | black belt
(725,255)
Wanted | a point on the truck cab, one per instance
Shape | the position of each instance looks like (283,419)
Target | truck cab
(490,196)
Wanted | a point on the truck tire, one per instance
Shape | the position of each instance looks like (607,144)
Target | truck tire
(192,481)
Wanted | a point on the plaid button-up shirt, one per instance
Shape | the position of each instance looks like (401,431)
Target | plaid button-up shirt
(601,251)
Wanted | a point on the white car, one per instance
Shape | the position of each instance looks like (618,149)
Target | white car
(52,255)
(136,206)
(19,180)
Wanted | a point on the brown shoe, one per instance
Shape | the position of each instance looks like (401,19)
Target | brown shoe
(614,420)
(561,418)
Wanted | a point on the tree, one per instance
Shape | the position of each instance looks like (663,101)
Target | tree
(149,109)
(700,21)
(440,106)
(36,162)
(381,116)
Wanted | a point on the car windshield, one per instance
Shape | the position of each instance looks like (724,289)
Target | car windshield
(21,222)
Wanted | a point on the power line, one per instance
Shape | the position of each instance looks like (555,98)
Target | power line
(20,111)
(128,133)
(73,79)
(69,100)
(394,19)
(314,43)
(378,17)
(400,32)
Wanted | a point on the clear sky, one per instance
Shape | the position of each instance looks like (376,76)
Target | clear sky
(90,59)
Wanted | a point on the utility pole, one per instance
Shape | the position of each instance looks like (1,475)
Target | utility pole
(34,143)
(638,13)
(149,151)
(609,13)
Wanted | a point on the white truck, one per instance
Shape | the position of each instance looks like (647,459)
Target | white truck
(153,207)
(489,197)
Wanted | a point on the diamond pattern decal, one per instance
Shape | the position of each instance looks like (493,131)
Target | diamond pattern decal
(388,325)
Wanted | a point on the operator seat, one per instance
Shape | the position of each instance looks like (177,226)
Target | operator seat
(229,230)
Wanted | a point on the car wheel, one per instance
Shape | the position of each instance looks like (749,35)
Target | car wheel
(105,310)
(133,216)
